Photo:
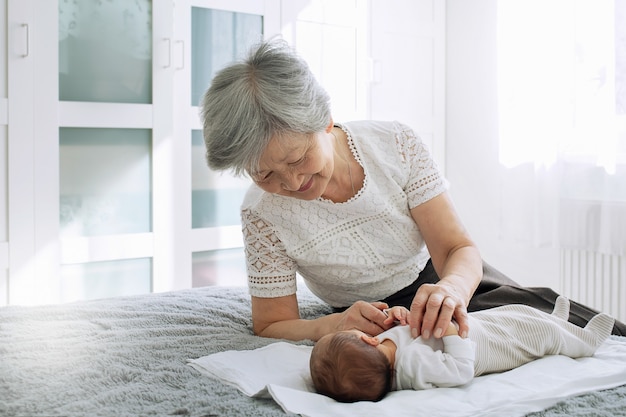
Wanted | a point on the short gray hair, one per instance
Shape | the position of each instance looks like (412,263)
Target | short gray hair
(271,93)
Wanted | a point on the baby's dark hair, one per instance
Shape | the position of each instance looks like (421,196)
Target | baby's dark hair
(348,369)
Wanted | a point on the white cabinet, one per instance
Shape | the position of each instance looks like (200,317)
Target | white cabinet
(105,190)
(31,251)
(332,36)
(378,59)
(4,120)
(407,54)
(210,34)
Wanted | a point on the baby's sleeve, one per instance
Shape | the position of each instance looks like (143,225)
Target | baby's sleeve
(420,367)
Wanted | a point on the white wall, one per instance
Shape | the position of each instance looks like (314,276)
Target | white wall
(472,143)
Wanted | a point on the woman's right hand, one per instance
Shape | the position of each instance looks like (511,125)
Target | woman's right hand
(280,318)
(366,317)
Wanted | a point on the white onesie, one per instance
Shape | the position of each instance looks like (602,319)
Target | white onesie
(500,339)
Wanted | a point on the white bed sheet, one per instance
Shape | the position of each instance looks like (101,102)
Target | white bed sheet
(280,370)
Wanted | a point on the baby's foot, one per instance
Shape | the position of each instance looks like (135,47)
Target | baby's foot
(601,325)
(561,308)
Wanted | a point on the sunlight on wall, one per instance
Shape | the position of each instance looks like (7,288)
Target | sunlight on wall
(559,62)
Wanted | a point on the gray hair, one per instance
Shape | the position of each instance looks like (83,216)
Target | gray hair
(271,93)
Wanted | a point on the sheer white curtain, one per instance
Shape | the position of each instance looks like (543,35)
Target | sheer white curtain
(562,123)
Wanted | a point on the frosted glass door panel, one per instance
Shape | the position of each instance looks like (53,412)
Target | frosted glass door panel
(3,184)
(106,279)
(105,51)
(4,216)
(3,52)
(222,267)
(4,115)
(216,197)
(105,179)
(217,38)
(4,287)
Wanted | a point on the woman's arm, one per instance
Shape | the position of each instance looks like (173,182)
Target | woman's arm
(280,318)
(456,260)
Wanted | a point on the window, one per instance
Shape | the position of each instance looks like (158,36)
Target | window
(562,82)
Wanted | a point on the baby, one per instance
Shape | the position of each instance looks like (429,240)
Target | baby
(353,366)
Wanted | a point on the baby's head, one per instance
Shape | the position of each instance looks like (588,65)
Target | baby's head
(348,369)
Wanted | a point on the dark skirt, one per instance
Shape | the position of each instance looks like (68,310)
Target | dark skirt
(495,289)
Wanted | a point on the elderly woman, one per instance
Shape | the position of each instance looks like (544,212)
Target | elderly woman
(359,210)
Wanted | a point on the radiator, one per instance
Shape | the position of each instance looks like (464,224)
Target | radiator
(596,280)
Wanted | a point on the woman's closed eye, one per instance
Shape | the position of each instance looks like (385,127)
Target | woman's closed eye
(265,176)
(299,161)
(261,177)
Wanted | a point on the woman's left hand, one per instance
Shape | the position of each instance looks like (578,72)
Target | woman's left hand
(458,264)
(433,308)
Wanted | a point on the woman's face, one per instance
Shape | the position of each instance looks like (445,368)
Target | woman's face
(298,166)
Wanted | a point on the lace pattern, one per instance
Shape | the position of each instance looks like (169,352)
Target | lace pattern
(356,155)
(366,248)
(425,178)
(271,273)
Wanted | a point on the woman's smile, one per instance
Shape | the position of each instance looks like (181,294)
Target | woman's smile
(306,186)
(297,165)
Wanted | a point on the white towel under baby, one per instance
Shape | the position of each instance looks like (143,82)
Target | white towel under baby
(280,370)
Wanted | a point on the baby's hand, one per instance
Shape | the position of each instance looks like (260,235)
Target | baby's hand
(452,330)
(397,315)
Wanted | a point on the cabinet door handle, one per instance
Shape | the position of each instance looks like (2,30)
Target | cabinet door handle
(27,52)
(182,54)
(169,52)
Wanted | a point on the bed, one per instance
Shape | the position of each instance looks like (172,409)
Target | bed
(128,356)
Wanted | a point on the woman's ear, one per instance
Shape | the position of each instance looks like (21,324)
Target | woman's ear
(330,126)
(370,340)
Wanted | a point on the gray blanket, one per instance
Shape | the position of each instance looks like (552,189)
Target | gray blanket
(127,356)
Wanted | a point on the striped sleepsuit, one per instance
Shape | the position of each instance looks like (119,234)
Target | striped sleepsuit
(500,339)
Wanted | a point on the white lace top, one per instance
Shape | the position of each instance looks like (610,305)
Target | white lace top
(364,249)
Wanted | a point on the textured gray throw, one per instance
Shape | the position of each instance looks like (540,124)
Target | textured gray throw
(127,356)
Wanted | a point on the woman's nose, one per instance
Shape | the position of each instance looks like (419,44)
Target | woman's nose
(290,182)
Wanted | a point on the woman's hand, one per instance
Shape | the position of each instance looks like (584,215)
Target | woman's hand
(279,318)
(458,264)
(433,308)
(366,317)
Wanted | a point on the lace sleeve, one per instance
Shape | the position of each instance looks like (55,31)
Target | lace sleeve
(271,272)
(425,180)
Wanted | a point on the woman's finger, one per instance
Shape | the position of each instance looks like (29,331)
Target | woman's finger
(418,309)
(364,316)
(433,307)
(431,315)
(460,315)
(448,306)
(376,318)
(380,305)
